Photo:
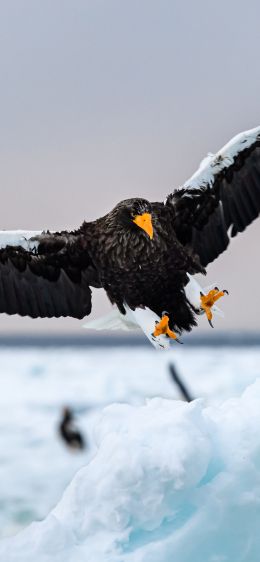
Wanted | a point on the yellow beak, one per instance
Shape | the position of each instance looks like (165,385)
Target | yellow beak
(144,221)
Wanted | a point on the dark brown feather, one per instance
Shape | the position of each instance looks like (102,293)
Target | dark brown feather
(203,217)
(50,282)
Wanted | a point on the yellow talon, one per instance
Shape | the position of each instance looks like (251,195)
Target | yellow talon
(207,301)
(162,327)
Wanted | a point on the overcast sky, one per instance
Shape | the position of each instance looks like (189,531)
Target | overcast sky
(107,99)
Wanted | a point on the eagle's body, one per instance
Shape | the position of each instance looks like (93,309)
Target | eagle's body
(142,254)
(136,272)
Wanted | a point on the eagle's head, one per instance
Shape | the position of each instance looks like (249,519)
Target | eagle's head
(134,214)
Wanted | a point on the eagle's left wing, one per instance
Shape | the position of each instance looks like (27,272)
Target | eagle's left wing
(221,199)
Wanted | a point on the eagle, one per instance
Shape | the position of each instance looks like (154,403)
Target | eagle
(143,254)
(68,432)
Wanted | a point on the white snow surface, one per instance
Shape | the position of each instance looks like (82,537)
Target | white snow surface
(165,480)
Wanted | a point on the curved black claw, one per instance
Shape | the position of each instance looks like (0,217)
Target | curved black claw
(210,323)
(216,288)
(179,341)
(225,291)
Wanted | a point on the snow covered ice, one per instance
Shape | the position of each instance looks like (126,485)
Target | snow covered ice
(169,481)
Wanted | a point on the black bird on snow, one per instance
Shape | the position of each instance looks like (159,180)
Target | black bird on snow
(69,433)
(142,253)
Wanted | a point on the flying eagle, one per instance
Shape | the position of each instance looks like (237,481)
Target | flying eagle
(143,254)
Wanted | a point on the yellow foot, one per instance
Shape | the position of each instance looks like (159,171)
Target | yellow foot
(162,327)
(207,301)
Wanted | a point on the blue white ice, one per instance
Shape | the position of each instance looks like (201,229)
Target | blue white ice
(163,480)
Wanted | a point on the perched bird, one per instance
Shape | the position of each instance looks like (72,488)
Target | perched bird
(68,431)
(143,254)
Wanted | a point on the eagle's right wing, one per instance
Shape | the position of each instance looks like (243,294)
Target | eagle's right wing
(45,274)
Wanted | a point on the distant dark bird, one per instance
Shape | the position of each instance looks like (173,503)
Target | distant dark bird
(69,433)
(182,387)
(142,254)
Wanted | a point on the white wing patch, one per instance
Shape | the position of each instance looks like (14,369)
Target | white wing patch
(23,238)
(214,163)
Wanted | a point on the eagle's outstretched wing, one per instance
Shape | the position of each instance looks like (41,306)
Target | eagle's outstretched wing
(221,199)
(45,274)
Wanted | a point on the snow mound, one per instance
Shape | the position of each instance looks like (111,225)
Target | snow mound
(170,482)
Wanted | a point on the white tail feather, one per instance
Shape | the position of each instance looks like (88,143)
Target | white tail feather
(142,318)
(146,319)
(112,321)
